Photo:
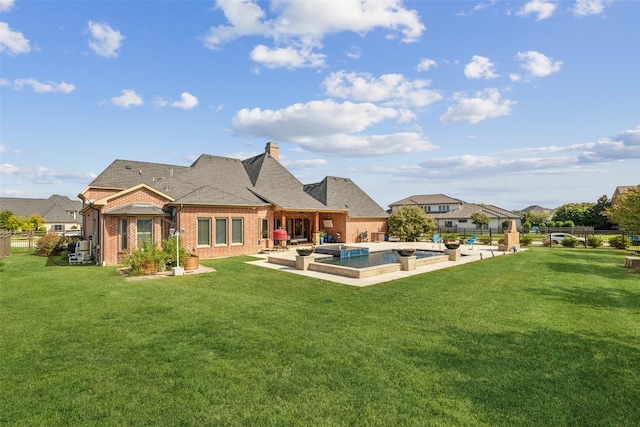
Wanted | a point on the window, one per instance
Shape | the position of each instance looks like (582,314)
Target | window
(144,231)
(462,221)
(448,224)
(204,231)
(123,234)
(221,231)
(57,227)
(236,231)
(264,231)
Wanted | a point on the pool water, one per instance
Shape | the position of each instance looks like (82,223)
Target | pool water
(374,258)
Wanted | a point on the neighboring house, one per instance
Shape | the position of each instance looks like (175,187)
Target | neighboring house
(453,215)
(460,219)
(619,190)
(226,206)
(60,212)
(430,203)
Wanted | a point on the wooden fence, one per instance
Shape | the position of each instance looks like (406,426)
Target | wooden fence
(5,243)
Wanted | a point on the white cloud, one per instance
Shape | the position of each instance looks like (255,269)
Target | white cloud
(538,64)
(389,89)
(286,57)
(484,105)
(128,99)
(548,160)
(425,64)
(12,42)
(354,52)
(304,164)
(590,7)
(5,149)
(48,87)
(6,5)
(42,175)
(543,9)
(313,119)
(106,41)
(187,101)
(297,27)
(480,67)
(331,128)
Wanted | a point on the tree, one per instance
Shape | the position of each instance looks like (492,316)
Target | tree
(537,218)
(35,222)
(579,213)
(4,218)
(598,216)
(410,223)
(480,219)
(626,211)
(15,223)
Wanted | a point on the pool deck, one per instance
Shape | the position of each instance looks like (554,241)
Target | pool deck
(476,253)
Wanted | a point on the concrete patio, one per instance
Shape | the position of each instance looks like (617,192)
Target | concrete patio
(469,254)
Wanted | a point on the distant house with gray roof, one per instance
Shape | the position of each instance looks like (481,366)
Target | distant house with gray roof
(454,215)
(60,212)
(226,206)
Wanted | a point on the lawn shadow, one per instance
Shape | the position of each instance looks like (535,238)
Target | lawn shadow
(593,297)
(543,377)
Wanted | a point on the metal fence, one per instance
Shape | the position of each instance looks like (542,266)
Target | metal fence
(25,242)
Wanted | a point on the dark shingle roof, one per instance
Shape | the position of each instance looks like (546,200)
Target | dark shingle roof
(55,209)
(137,209)
(224,181)
(466,210)
(427,199)
(343,194)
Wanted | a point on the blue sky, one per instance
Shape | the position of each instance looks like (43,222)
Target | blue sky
(510,103)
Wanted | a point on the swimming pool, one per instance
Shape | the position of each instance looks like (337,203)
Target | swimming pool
(373,258)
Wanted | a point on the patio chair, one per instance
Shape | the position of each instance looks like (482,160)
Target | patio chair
(471,240)
(436,239)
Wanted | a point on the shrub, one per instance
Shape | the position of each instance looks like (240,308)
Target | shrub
(169,248)
(568,223)
(594,241)
(147,259)
(485,239)
(569,242)
(410,223)
(526,224)
(48,244)
(526,240)
(619,242)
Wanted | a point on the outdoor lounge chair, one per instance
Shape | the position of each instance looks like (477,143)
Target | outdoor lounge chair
(436,239)
(471,240)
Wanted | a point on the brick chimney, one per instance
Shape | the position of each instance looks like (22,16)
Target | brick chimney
(272,149)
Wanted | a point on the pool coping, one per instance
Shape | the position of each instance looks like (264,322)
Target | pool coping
(285,261)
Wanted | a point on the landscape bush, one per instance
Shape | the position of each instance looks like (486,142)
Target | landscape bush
(619,242)
(525,240)
(169,248)
(48,244)
(485,239)
(569,242)
(594,241)
(568,223)
(147,259)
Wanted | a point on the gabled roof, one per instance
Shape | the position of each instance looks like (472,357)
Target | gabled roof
(275,184)
(55,209)
(343,194)
(427,199)
(536,209)
(137,209)
(258,181)
(465,211)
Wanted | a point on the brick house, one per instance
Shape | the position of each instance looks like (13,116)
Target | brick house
(225,206)
(60,212)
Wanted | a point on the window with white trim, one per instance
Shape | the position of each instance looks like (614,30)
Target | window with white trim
(204,231)
(221,231)
(237,231)
(144,231)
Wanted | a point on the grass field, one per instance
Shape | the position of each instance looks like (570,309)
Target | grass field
(543,337)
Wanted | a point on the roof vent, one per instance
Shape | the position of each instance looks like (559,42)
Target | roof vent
(128,167)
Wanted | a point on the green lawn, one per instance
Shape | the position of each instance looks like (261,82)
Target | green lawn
(543,337)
